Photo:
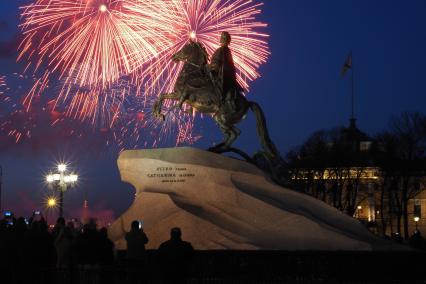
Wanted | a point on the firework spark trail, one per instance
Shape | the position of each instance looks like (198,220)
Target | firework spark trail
(6,108)
(205,20)
(4,101)
(99,107)
(88,45)
(38,87)
(178,126)
(2,84)
(137,126)
(15,121)
(90,42)
(41,124)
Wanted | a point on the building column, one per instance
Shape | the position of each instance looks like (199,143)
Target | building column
(371,202)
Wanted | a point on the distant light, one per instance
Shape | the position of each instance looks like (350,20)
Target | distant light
(73,178)
(49,178)
(51,202)
(416,219)
(359,207)
(70,178)
(56,177)
(62,168)
(193,35)
(103,8)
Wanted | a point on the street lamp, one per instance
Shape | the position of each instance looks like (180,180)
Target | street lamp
(51,202)
(61,181)
(416,220)
(62,168)
(358,212)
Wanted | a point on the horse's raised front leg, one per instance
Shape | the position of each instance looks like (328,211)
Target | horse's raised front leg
(182,99)
(183,96)
(159,104)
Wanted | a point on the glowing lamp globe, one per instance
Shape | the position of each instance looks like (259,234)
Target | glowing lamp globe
(51,202)
(49,178)
(56,177)
(73,178)
(62,168)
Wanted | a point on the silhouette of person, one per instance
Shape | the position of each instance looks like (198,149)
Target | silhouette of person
(60,224)
(106,248)
(63,244)
(136,255)
(20,231)
(175,256)
(39,251)
(223,69)
(106,257)
(416,240)
(86,246)
(136,240)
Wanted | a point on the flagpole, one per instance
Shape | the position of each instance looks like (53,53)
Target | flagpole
(349,65)
(352,90)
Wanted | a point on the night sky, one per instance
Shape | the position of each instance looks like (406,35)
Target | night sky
(300,90)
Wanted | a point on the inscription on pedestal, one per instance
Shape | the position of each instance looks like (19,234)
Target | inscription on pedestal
(171,174)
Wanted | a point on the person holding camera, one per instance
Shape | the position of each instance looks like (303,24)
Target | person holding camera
(136,240)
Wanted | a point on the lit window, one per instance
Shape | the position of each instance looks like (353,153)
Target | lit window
(365,146)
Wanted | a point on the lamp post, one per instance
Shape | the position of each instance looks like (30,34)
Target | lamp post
(358,212)
(50,204)
(416,220)
(61,181)
(1,180)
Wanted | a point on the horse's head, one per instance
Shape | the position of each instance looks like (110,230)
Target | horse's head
(193,52)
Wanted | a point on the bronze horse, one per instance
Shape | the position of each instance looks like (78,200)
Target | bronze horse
(196,88)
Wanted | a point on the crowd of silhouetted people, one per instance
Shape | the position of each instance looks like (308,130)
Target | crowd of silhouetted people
(72,246)
(71,252)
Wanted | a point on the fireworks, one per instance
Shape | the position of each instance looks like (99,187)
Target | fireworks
(136,126)
(204,20)
(89,42)
(99,107)
(86,47)
(2,83)
(3,88)
(15,122)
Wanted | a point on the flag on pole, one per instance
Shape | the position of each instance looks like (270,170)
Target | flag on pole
(347,65)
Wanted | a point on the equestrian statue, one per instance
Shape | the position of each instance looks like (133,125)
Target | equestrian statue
(213,89)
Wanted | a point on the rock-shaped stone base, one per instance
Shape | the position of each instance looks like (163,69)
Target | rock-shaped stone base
(224,203)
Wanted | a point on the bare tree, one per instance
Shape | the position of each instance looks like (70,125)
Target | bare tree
(405,145)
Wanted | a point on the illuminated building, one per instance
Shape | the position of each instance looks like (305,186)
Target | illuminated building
(352,172)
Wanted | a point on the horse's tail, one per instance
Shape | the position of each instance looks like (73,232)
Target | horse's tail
(262,130)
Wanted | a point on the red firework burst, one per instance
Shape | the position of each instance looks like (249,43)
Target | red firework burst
(204,20)
(91,44)
(88,43)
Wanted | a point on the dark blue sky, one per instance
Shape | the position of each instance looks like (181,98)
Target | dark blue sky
(300,89)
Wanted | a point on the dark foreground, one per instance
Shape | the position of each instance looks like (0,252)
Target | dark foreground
(243,267)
